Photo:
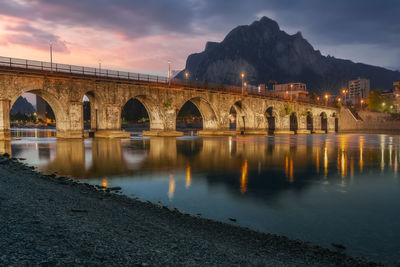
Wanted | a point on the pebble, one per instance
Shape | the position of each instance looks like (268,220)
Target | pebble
(46,223)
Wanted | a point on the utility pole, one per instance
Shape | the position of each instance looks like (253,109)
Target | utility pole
(169,72)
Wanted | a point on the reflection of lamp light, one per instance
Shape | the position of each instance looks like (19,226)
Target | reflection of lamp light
(243,178)
(326,160)
(171,189)
(188,176)
(104,183)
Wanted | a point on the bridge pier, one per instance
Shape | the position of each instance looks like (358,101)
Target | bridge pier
(302,124)
(109,122)
(167,128)
(282,126)
(331,125)
(5,119)
(317,125)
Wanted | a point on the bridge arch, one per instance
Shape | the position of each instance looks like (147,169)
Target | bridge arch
(294,126)
(272,117)
(309,121)
(60,111)
(242,114)
(324,121)
(95,103)
(155,118)
(206,110)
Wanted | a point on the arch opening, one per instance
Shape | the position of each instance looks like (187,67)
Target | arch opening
(134,116)
(189,118)
(336,122)
(309,121)
(31,110)
(324,122)
(237,117)
(232,119)
(293,122)
(269,114)
(87,110)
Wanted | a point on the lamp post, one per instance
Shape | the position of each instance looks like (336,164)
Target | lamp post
(362,102)
(99,65)
(169,72)
(186,76)
(344,92)
(291,88)
(51,55)
(326,99)
(242,75)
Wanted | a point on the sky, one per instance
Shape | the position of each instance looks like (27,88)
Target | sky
(142,36)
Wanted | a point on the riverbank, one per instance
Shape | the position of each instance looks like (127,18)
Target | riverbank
(48,220)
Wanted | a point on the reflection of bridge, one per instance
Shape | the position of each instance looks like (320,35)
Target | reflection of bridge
(63,87)
(110,157)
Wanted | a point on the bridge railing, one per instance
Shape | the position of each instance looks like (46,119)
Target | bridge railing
(64,68)
(185,83)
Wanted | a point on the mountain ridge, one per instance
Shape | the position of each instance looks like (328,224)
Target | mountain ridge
(264,52)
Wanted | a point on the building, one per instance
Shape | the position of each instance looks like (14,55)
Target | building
(291,90)
(358,89)
(394,95)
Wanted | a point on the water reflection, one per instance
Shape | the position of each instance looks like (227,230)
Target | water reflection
(171,189)
(243,178)
(104,158)
(188,177)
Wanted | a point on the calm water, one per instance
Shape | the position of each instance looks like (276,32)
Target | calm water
(319,188)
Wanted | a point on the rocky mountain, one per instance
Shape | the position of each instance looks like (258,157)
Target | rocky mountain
(265,53)
(22,106)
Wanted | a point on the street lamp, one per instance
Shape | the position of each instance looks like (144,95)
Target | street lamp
(186,75)
(242,75)
(99,65)
(291,88)
(51,55)
(362,102)
(326,99)
(344,92)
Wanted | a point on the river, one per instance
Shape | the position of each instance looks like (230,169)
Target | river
(334,188)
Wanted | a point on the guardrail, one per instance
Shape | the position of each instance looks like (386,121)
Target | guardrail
(123,75)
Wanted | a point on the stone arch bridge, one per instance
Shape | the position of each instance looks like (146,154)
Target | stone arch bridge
(64,87)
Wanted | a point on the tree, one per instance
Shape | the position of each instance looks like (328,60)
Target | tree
(378,103)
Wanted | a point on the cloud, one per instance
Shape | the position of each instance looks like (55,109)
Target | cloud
(133,19)
(326,24)
(24,34)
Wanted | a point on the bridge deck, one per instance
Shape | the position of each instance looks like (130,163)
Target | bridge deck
(31,67)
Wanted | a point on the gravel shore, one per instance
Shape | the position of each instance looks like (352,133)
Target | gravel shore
(53,221)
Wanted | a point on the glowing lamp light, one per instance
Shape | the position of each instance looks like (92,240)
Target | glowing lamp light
(326,96)
(242,75)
